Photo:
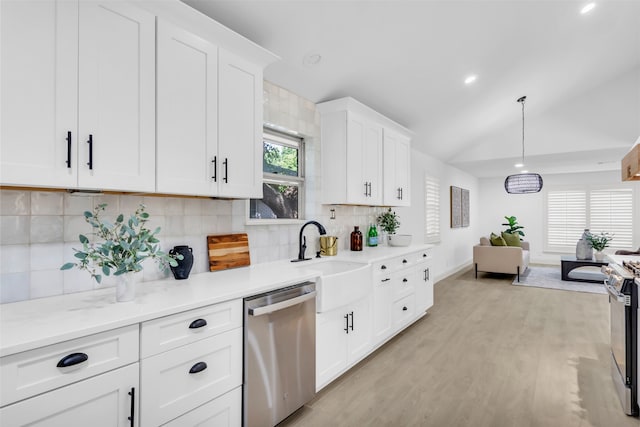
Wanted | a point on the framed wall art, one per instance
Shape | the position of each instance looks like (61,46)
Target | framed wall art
(459,207)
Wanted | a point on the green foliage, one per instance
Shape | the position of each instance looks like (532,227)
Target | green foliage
(512,226)
(121,247)
(280,159)
(599,241)
(389,221)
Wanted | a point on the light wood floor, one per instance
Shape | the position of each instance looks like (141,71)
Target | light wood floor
(487,354)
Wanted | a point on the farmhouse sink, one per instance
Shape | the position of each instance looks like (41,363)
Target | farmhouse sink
(340,282)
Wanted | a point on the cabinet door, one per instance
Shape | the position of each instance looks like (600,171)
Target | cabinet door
(397,171)
(39,62)
(225,411)
(372,156)
(116,97)
(357,183)
(331,346)
(359,338)
(381,313)
(424,288)
(187,141)
(240,127)
(101,401)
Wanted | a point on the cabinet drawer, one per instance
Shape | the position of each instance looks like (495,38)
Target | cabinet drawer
(170,384)
(225,411)
(403,311)
(421,256)
(36,371)
(403,284)
(166,333)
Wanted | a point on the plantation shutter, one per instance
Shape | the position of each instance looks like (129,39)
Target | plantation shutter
(432,209)
(611,212)
(566,217)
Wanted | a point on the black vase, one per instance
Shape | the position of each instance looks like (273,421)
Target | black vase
(184,265)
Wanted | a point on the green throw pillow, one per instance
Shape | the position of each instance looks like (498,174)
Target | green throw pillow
(511,239)
(497,240)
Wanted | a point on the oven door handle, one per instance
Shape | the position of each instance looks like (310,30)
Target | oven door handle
(258,311)
(613,293)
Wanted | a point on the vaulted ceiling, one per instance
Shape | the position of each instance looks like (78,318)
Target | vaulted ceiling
(409,59)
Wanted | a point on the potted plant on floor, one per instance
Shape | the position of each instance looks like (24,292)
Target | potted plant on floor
(512,226)
(121,247)
(598,242)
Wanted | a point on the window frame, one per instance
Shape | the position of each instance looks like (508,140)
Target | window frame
(292,140)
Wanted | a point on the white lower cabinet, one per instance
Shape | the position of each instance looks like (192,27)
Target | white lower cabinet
(225,411)
(382,294)
(106,400)
(343,337)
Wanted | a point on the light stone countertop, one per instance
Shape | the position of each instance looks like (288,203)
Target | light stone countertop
(35,323)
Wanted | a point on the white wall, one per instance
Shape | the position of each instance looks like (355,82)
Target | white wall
(529,208)
(455,248)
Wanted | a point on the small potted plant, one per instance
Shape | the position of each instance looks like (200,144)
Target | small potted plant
(598,242)
(121,247)
(389,221)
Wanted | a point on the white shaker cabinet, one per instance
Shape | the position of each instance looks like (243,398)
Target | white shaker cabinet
(239,127)
(187,145)
(397,169)
(78,97)
(343,338)
(39,92)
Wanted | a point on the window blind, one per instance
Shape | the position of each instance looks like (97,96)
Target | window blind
(566,217)
(432,209)
(611,211)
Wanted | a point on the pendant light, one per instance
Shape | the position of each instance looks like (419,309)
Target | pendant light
(523,183)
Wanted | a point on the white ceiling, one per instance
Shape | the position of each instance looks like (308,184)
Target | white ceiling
(408,59)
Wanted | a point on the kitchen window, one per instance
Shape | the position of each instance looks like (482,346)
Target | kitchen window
(283,179)
(570,212)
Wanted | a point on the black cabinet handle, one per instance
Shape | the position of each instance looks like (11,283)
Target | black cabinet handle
(68,138)
(370,190)
(424,255)
(427,274)
(346,323)
(72,359)
(401,195)
(132,393)
(198,367)
(404,308)
(226,170)
(383,267)
(198,323)
(405,280)
(385,280)
(90,142)
(404,261)
(215,168)
(351,314)
(366,192)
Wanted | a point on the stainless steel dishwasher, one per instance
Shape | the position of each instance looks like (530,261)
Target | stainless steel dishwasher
(279,354)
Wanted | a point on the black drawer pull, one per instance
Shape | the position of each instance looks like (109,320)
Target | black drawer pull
(404,261)
(90,142)
(404,308)
(131,417)
(404,280)
(198,323)
(68,162)
(383,267)
(424,255)
(385,280)
(198,367)
(226,170)
(215,168)
(72,359)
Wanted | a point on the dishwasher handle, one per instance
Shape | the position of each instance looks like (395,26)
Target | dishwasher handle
(259,311)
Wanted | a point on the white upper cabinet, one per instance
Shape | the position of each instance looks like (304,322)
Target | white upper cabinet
(187,140)
(397,169)
(78,98)
(240,127)
(353,158)
(38,116)
(116,97)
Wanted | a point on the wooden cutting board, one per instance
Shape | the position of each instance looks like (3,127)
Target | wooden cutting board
(228,251)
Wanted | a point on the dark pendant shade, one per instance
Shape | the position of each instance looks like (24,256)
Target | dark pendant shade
(523,183)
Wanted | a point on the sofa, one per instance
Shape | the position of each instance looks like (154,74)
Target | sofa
(500,259)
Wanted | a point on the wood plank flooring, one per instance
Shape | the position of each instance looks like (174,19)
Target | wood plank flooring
(487,354)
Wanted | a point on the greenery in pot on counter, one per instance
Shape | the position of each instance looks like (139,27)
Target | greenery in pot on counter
(389,221)
(121,247)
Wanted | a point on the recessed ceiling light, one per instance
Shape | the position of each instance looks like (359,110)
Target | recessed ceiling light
(312,59)
(518,165)
(523,171)
(587,8)
(470,79)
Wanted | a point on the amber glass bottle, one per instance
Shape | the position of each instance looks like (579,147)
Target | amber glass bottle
(356,239)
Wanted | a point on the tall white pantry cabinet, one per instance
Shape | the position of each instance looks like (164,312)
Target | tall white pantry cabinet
(81,107)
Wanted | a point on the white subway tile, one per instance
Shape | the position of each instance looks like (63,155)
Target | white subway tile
(192,224)
(224,224)
(46,256)
(209,224)
(77,205)
(46,283)
(129,204)
(174,225)
(74,226)
(15,202)
(47,203)
(46,229)
(154,205)
(14,229)
(77,281)
(174,206)
(192,206)
(112,210)
(14,259)
(14,287)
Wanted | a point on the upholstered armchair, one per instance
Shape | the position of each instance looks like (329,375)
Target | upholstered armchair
(500,259)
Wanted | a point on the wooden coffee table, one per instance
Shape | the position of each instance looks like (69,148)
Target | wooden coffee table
(570,262)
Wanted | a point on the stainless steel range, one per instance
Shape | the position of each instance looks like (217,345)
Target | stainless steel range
(623,302)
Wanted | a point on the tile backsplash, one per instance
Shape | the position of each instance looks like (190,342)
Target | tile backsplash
(39,229)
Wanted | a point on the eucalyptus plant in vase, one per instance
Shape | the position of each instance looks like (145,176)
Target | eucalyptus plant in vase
(121,247)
